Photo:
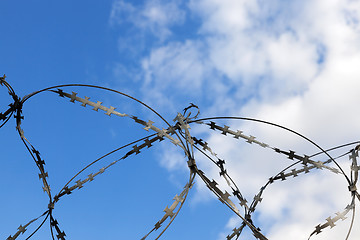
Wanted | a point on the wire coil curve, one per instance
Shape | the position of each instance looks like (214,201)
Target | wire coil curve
(179,134)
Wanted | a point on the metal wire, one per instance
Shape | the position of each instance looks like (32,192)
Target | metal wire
(179,134)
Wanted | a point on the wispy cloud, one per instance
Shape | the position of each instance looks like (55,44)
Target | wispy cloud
(154,16)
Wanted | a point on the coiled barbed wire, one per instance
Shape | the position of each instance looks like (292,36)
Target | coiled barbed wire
(179,135)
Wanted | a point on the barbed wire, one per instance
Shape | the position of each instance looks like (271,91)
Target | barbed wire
(179,135)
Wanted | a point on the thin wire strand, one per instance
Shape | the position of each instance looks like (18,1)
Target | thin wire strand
(282,127)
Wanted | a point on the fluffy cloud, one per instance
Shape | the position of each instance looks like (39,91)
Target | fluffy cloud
(295,63)
(236,53)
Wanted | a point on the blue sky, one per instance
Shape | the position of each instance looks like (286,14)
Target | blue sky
(294,63)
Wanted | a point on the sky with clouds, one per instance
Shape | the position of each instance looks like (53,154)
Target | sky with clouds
(294,63)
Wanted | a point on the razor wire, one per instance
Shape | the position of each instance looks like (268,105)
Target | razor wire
(179,135)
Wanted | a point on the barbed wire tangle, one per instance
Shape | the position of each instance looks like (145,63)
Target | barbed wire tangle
(179,135)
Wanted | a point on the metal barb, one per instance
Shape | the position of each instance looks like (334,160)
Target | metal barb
(180,135)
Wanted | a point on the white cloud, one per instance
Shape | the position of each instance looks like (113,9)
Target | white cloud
(295,63)
(224,17)
(180,67)
(255,62)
